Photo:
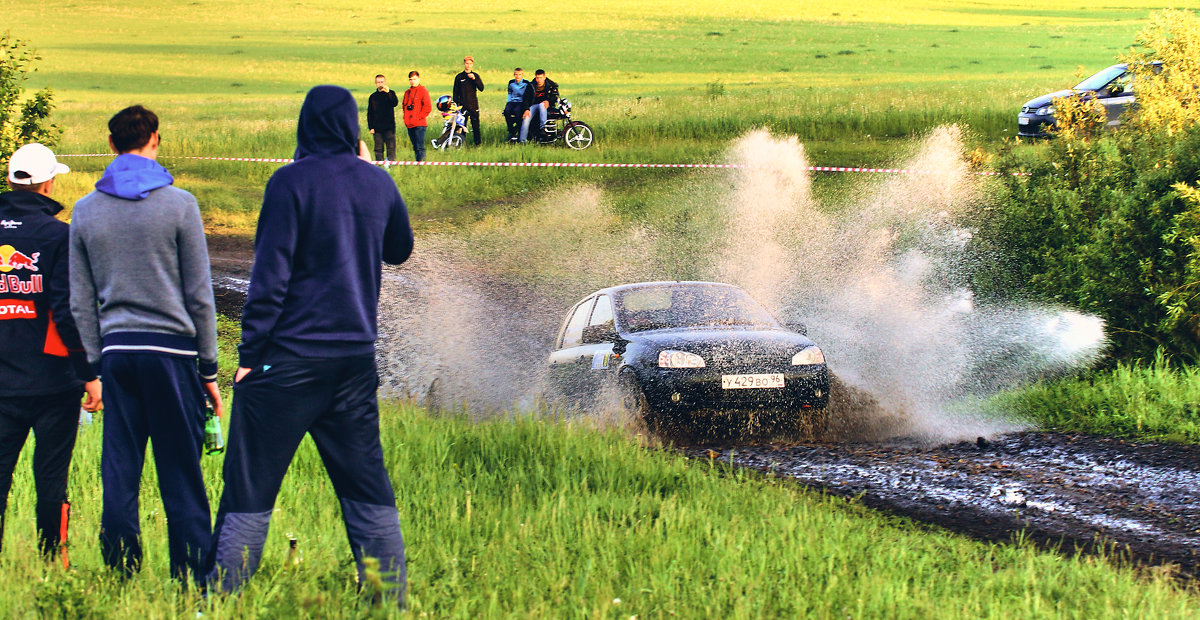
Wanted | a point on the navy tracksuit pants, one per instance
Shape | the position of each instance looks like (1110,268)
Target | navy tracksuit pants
(54,420)
(156,397)
(334,400)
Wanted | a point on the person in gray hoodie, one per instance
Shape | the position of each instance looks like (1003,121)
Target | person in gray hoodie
(142,299)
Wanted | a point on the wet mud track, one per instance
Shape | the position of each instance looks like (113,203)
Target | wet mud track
(1060,490)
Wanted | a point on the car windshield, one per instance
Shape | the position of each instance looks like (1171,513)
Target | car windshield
(662,307)
(1100,80)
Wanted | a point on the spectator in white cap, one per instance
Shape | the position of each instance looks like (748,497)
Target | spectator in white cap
(34,164)
(43,368)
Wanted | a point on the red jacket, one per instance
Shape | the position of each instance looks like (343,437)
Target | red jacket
(416,107)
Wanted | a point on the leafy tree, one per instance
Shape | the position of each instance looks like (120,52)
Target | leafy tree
(22,121)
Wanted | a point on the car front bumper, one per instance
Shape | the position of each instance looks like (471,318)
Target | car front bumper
(1034,126)
(693,389)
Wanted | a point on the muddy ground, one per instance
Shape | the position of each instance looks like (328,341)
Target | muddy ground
(1064,491)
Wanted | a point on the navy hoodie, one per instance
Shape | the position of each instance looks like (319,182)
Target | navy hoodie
(40,351)
(328,222)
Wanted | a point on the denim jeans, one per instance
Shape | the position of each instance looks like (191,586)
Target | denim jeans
(536,112)
(417,135)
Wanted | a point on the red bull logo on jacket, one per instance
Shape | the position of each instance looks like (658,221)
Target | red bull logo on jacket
(11,283)
(11,259)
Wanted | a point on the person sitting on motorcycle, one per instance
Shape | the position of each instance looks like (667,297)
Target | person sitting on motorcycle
(540,97)
(514,107)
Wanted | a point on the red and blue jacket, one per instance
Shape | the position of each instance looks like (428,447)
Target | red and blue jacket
(40,350)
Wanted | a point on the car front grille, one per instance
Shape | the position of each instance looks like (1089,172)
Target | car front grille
(1027,110)
(738,359)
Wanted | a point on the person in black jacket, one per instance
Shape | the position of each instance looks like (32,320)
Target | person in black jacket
(381,118)
(540,97)
(43,368)
(307,357)
(466,83)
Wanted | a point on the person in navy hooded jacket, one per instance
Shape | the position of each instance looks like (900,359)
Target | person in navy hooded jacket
(307,357)
(142,299)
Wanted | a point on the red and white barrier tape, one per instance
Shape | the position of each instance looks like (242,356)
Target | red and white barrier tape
(561,164)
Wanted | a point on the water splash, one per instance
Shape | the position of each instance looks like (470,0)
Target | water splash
(881,282)
(880,278)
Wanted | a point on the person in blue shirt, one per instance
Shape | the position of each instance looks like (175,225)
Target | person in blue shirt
(514,108)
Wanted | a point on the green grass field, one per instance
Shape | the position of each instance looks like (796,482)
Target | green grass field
(669,82)
(520,517)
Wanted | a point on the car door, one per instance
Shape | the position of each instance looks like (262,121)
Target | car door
(567,370)
(1117,96)
(597,347)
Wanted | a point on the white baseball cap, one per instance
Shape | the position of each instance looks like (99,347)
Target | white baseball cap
(33,164)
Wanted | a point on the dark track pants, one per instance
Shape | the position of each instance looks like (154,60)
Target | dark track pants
(385,138)
(153,397)
(54,420)
(473,118)
(273,407)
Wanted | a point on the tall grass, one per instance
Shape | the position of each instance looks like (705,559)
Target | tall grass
(1151,401)
(528,518)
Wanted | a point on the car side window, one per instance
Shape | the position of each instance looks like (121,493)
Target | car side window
(573,332)
(602,314)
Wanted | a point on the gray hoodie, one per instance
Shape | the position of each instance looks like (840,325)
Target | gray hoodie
(140,276)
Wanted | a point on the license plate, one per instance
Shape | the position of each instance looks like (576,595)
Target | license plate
(1022,120)
(742,382)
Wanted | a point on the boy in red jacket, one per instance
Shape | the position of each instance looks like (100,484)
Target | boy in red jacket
(416,110)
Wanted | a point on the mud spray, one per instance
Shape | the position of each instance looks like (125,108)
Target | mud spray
(880,280)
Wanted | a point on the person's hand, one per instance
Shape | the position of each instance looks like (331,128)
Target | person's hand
(92,402)
(546,104)
(242,371)
(214,397)
(471,75)
(525,114)
(364,155)
(371,130)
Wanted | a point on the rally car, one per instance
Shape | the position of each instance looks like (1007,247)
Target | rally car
(679,352)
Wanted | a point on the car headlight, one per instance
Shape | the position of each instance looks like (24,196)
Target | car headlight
(1045,110)
(679,359)
(808,356)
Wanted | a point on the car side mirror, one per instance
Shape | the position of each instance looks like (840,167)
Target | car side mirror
(595,334)
(798,327)
(1115,89)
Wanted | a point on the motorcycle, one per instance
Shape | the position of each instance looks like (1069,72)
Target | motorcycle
(560,128)
(454,127)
